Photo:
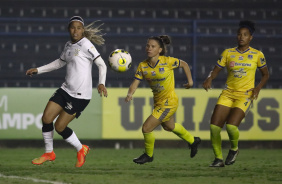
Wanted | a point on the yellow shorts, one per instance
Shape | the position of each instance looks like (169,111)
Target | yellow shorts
(163,113)
(234,99)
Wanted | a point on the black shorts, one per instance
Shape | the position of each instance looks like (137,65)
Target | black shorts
(71,105)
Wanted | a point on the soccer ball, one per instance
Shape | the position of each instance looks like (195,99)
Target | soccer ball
(120,60)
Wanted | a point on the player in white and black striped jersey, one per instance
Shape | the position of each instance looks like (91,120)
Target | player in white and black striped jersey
(75,93)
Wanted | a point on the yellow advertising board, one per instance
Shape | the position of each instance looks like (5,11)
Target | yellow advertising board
(122,120)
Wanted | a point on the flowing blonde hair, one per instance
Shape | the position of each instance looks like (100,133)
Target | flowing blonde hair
(94,34)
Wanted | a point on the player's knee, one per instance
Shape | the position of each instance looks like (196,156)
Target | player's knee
(59,128)
(46,120)
(167,128)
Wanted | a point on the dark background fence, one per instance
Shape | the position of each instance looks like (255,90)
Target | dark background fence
(33,33)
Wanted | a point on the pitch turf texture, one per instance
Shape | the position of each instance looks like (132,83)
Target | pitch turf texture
(110,166)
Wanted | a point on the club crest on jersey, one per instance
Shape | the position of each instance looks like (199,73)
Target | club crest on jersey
(241,58)
(161,70)
(232,64)
(76,52)
(153,73)
(250,57)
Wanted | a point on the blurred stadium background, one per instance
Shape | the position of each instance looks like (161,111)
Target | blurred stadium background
(33,33)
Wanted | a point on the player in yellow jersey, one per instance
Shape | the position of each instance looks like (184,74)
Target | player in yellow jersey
(157,70)
(235,100)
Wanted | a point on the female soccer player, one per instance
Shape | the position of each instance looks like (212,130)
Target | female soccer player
(157,70)
(235,100)
(75,93)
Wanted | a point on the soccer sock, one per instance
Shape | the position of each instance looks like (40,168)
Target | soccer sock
(71,138)
(181,132)
(216,141)
(47,133)
(233,133)
(149,139)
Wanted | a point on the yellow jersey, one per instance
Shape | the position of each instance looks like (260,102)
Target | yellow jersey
(241,67)
(161,79)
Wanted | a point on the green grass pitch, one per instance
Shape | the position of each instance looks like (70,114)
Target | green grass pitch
(110,166)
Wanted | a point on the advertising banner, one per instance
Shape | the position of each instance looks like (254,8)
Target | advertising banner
(124,120)
(21,111)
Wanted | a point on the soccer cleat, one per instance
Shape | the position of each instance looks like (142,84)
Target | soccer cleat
(45,157)
(81,155)
(143,159)
(231,157)
(194,146)
(217,163)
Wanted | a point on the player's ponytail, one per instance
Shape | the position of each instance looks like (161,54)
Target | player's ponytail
(94,34)
(163,41)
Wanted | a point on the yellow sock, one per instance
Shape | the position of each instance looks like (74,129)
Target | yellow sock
(181,132)
(149,139)
(216,140)
(233,133)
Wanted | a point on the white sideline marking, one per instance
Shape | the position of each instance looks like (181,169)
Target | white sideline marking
(32,179)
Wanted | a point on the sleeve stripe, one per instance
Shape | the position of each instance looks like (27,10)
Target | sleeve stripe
(137,78)
(219,65)
(262,66)
(62,59)
(96,58)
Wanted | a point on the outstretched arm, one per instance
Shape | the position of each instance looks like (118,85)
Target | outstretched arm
(134,85)
(58,63)
(187,71)
(213,74)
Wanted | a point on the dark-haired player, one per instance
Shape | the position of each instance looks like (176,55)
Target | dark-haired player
(234,102)
(157,70)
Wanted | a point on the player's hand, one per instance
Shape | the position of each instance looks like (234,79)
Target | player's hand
(255,93)
(31,72)
(207,84)
(187,85)
(128,98)
(102,90)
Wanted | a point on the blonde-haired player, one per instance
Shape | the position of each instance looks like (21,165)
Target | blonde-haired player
(157,70)
(75,93)
(234,102)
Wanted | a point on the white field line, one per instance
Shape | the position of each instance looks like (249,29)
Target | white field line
(31,179)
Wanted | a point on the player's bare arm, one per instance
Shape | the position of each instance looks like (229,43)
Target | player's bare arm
(213,74)
(187,71)
(134,85)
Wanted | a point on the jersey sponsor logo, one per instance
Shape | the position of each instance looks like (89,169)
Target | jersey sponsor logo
(250,57)
(231,51)
(243,64)
(162,64)
(157,88)
(144,66)
(241,58)
(153,73)
(161,70)
(162,79)
(232,56)
(239,73)
(232,64)
(145,72)
(252,52)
